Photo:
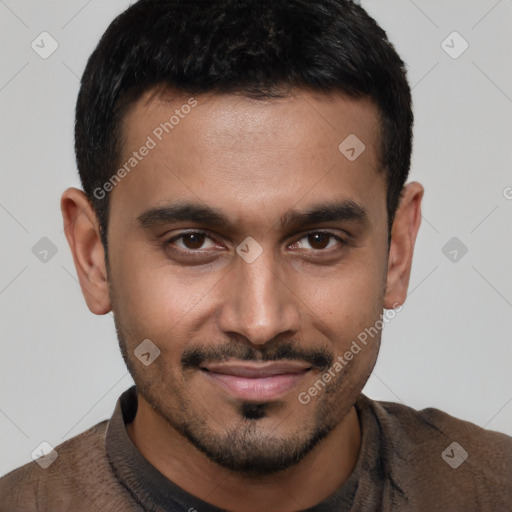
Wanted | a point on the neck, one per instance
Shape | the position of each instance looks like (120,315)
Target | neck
(301,486)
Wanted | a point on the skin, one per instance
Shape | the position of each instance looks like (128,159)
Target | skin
(254,161)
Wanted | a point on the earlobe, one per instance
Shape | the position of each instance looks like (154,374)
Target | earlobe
(83,235)
(403,237)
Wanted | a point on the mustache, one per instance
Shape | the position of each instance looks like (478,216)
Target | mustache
(195,357)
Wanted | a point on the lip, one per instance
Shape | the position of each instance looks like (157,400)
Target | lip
(257,382)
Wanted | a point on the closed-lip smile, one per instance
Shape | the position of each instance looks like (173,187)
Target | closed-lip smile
(256,381)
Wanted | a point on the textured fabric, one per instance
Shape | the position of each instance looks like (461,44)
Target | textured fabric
(400,468)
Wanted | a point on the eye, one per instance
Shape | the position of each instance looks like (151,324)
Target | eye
(192,241)
(318,241)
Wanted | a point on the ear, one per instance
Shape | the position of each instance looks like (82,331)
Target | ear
(83,234)
(403,236)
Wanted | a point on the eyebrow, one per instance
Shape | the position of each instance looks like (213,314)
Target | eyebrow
(344,211)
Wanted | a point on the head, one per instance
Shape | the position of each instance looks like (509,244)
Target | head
(224,220)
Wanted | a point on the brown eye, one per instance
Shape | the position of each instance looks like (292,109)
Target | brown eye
(193,246)
(319,241)
(193,240)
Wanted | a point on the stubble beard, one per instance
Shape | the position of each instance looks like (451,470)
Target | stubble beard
(250,447)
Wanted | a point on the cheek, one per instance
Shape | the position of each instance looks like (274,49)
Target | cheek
(153,301)
(349,299)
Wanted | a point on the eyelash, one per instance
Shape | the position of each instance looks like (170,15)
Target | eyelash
(169,242)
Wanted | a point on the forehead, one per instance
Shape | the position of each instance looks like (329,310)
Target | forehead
(294,118)
(230,151)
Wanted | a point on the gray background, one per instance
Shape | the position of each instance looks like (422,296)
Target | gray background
(449,348)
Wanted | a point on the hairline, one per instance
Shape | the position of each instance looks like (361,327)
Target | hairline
(169,93)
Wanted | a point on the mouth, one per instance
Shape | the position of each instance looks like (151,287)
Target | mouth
(257,382)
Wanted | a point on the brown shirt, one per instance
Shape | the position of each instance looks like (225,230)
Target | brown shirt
(407,462)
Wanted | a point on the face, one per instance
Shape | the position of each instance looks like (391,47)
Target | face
(252,253)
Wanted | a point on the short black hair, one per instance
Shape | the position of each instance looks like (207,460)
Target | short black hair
(258,48)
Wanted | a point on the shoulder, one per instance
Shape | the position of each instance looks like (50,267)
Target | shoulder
(79,478)
(439,457)
(432,425)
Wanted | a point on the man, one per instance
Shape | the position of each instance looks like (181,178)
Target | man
(246,218)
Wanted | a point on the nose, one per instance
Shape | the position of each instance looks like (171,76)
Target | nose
(259,303)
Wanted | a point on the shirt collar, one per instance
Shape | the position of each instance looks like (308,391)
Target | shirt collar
(153,491)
